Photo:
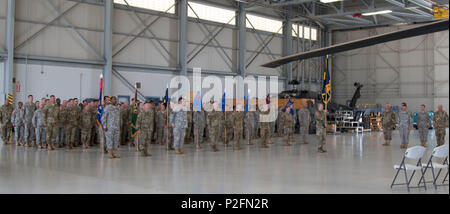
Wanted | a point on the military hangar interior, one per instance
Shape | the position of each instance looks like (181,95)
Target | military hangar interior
(133,48)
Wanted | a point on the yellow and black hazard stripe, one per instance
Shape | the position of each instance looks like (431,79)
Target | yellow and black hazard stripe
(10,98)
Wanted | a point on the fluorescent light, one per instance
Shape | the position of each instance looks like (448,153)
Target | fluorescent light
(329,1)
(377,12)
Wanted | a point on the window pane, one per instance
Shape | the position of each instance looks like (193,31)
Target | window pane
(211,13)
(294,30)
(265,24)
(158,5)
(306,32)
(313,34)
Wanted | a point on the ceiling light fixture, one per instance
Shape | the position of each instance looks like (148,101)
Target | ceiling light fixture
(329,1)
(377,12)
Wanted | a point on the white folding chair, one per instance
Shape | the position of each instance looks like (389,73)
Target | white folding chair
(415,153)
(438,152)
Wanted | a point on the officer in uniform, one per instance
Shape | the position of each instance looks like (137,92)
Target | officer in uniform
(405,124)
(249,123)
(237,123)
(87,123)
(304,119)
(321,133)
(440,122)
(145,125)
(264,126)
(17,119)
(213,123)
(388,121)
(5,122)
(287,122)
(111,122)
(52,116)
(423,125)
(29,109)
(199,120)
(178,120)
(38,124)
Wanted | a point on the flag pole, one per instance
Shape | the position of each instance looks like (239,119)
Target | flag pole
(167,118)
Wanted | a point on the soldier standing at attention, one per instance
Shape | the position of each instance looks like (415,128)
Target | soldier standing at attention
(423,124)
(199,126)
(321,131)
(405,124)
(111,122)
(29,109)
(279,122)
(388,121)
(73,122)
(38,124)
(145,125)
(238,125)
(17,119)
(86,128)
(51,114)
(213,123)
(178,120)
(61,134)
(304,120)
(125,113)
(440,122)
(188,137)
(161,124)
(5,122)
(287,122)
(250,126)
(264,126)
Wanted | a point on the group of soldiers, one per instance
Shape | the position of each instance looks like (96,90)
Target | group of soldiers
(405,121)
(50,124)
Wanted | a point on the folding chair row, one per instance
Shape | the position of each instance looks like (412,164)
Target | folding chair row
(416,153)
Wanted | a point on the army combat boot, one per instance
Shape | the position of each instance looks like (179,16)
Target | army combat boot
(213,148)
(238,147)
(304,142)
(321,150)
(424,144)
(115,155)
(387,143)
(171,147)
(110,154)
(144,153)
(179,152)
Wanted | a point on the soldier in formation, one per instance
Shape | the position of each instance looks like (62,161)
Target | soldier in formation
(405,124)
(17,119)
(199,120)
(388,123)
(237,119)
(29,109)
(213,123)
(111,123)
(440,122)
(423,125)
(287,122)
(5,122)
(321,131)
(38,124)
(145,126)
(178,121)
(304,119)
(51,114)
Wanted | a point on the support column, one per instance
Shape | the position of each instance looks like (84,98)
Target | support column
(9,63)
(329,42)
(107,52)
(241,22)
(287,32)
(182,36)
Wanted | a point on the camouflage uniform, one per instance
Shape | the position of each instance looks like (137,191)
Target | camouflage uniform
(304,118)
(388,121)
(145,124)
(423,124)
(38,122)
(29,109)
(228,125)
(111,121)
(213,124)
(249,123)
(72,124)
(257,124)
(321,131)
(287,121)
(161,123)
(52,116)
(17,117)
(238,123)
(279,124)
(440,122)
(199,126)
(264,128)
(126,128)
(94,129)
(179,119)
(405,122)
(87,122)
(5,122)
(61,134)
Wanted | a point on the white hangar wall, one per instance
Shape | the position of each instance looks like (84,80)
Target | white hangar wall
(413,70)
